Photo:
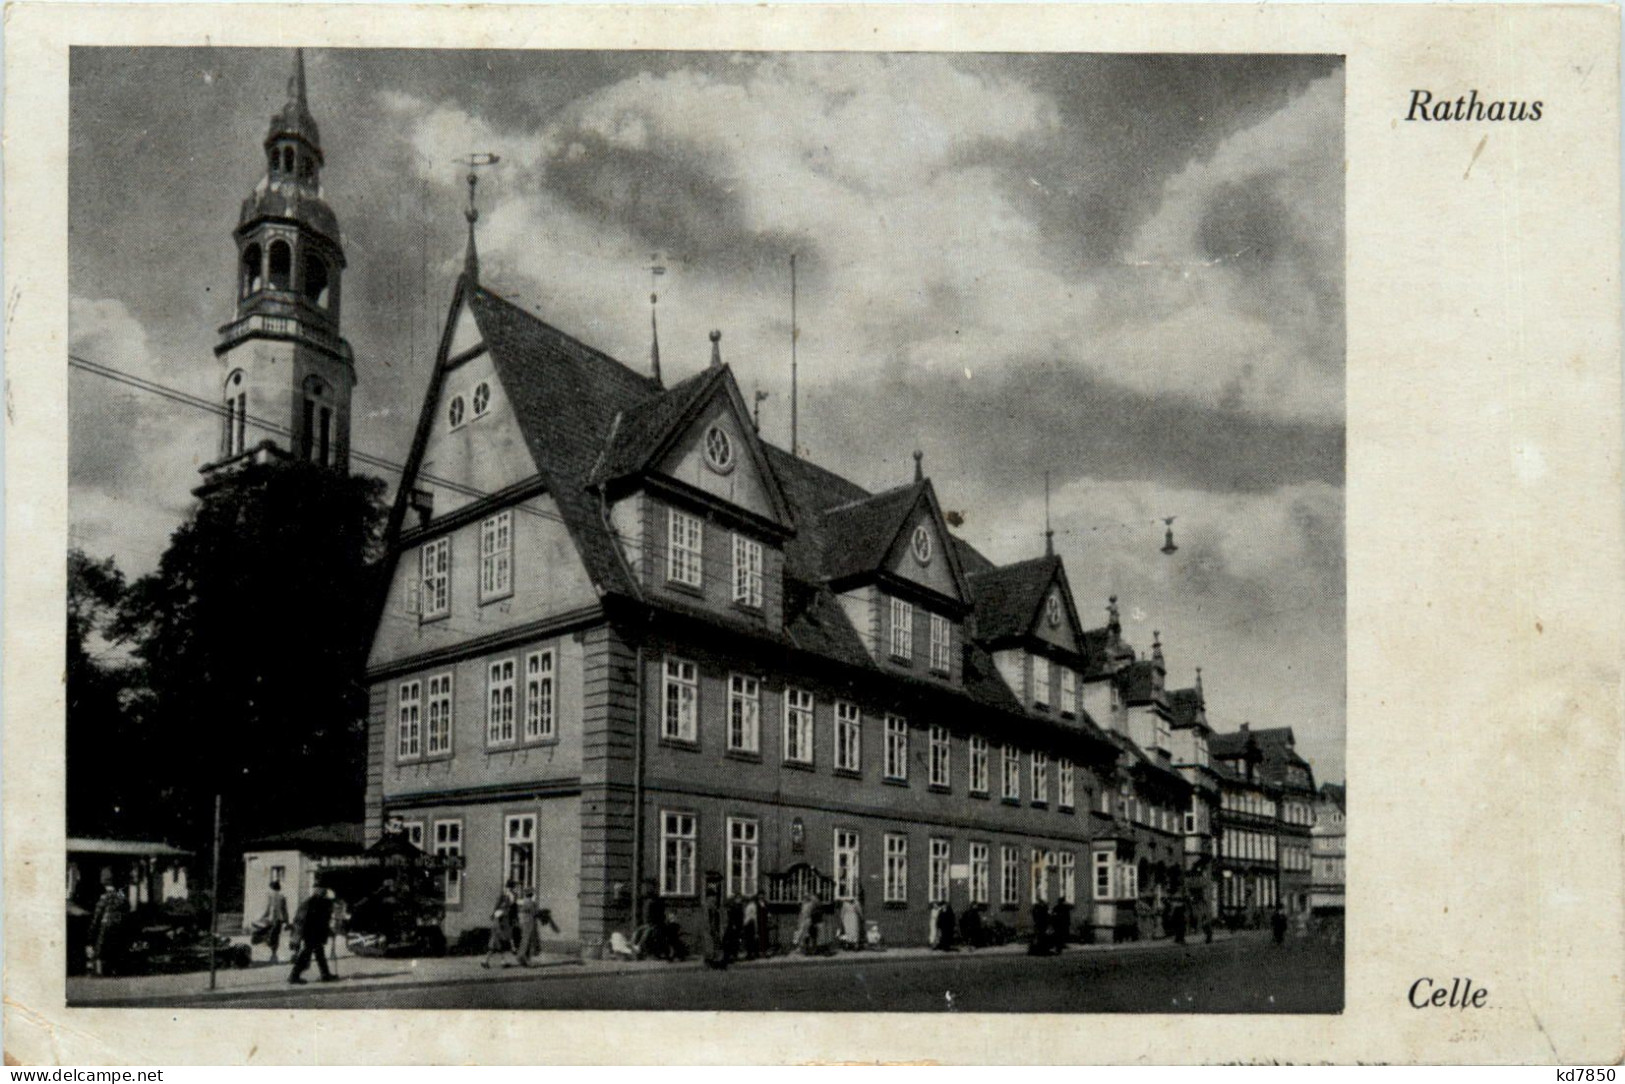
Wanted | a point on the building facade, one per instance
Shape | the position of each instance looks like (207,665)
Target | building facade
(1327,851)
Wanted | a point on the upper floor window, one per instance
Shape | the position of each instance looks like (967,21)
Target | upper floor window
(439,729)
(253,269)
(1040,777)
(1041,694)
(1068,784)
(680,718)
(1052,611)
(1069,691)
(539,696)
(939,756)
(848,737)
(496,556)
(482,398)
(896,747)
(902,629)
(744,714)
(314,284)
(409,720)
(941,639)
(316,434)
(500,725)
(434,574)
(1163,738)
(747,572)
(1012,773)
(978,764)
(683,547)
(798,726)
(456,411)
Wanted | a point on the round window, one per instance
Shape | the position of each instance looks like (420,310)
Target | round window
(719,450)
(921,544)
(1055,609)
(455,411)
(482,398)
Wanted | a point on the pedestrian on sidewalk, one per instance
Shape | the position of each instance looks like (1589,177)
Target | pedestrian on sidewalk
(750,927)
(1061,924)
(504,926)
(528,933)
(314,925)
(275,919)
(806,939)
(107,926)
(1278,925)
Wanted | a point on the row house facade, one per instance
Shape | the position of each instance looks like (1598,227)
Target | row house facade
(1265,819)
(626,646)
(1328,851)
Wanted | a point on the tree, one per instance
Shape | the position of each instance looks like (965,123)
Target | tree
(253,633)
(105,743)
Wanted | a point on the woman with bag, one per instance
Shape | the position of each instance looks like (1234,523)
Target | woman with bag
(504,919)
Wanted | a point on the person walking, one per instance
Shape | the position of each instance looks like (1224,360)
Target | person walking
(806,938)
(275,919)
(529,932)
(1061,925)
(314,924)
(1278,925)
(107,926)
(504,918)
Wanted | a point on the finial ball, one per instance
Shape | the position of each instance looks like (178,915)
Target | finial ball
(716,336)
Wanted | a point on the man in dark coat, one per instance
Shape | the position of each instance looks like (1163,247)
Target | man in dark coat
(1278,925)
(314,922)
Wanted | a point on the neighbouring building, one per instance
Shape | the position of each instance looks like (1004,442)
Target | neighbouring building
(1246,825)
(1327,850)
(1191,735)
(1293,783)
(291,859)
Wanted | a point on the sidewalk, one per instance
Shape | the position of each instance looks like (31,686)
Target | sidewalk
(361,972)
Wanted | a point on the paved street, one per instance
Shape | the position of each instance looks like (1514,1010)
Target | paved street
(1247,974)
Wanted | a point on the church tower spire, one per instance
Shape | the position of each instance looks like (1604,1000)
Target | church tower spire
(287,371)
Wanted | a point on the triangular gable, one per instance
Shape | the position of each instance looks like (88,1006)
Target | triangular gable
(669,437)
(483,451)
(1056,618)
(924,528)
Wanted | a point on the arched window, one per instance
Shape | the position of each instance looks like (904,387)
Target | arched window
(253,269)
(314,279)
(236,414)
(287,160)
(281,265)
(316,436)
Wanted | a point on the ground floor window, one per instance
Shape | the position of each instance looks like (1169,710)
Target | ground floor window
(1069,877)
(448,841)
(742,851)
(1103,875)
(979,872)
(1009,876)
(941,849)
(521,850)
(1042,863)
(678,832)
(896,868)
(846,864)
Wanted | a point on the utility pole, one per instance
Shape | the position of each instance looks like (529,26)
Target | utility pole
(214,892)
(795,333)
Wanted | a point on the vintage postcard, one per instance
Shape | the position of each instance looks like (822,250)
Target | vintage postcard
(1101,523)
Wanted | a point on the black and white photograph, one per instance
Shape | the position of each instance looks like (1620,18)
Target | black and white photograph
(672,530)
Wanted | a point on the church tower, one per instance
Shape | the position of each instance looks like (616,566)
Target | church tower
(287,373)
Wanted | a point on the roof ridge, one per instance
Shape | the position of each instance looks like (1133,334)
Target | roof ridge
(591,351)
(892,492)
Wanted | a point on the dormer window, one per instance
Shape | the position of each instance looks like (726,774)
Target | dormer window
(920,545)
(683,548)
(941,639)
(902,629)
(1040,682)
(719,450)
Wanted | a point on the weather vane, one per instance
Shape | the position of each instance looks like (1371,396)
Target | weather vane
(475,162)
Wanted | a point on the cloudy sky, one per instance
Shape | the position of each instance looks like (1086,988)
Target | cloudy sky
(1124,270)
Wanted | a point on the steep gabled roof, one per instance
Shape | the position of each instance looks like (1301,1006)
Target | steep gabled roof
(1233,744)
(1008,597)
(1140,681)
(859,533)
(643,428)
